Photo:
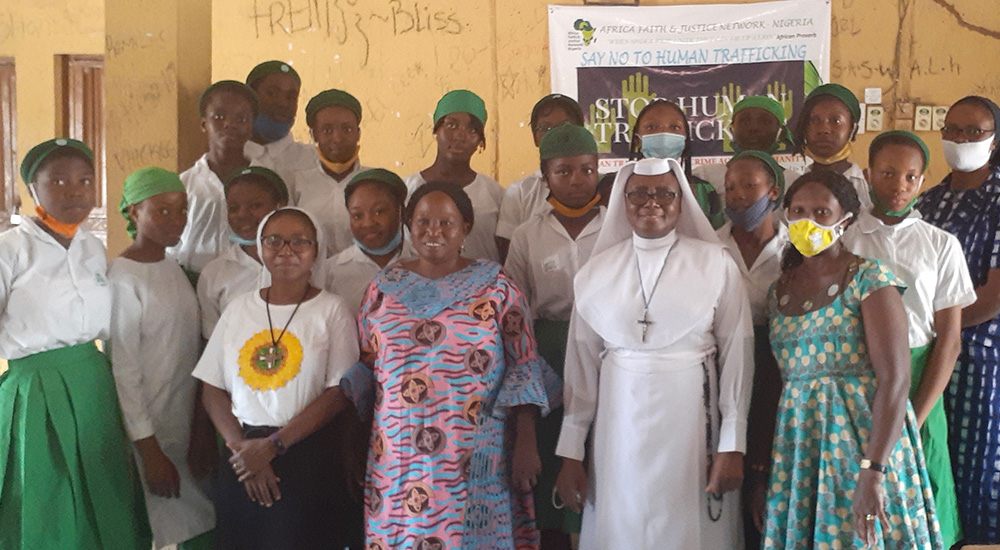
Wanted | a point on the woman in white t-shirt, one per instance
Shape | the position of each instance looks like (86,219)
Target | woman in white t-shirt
(271,376)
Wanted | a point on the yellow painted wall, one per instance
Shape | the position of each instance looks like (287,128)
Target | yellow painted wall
(156,65)
(399,67)
(33,32)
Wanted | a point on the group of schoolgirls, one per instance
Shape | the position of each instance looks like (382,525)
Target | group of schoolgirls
(291,445)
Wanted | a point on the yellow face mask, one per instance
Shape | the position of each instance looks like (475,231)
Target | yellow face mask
(811,238)
(844,153)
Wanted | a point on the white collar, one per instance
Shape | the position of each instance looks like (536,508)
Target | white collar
(593,226)
(867,222)
(236,254)
(35,227)
(255,150)
(659,243)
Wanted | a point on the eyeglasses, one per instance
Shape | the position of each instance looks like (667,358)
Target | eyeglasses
(971,133)
(277,242)
(661,195)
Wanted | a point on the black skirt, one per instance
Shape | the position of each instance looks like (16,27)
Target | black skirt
(315,510)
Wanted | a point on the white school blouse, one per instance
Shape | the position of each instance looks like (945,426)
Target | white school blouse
(522,199)
(543,260)
(51,297)
(323,197)
(349,273)
(320,345)
(485,194)
(758,278)
(928,259)
(284,157)
(204,236)
(231,274)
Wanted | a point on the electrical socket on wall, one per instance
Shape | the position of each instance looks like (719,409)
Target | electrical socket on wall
(874,118)
(937,117)
(922,118)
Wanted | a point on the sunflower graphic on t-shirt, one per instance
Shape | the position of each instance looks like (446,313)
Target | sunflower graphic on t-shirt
(265,365)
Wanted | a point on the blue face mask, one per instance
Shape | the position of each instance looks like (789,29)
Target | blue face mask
(234,238)
(663,146)
(753,216)
(270,130)
(385,249)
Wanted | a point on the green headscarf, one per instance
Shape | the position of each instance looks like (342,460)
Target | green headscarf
(389,180)
(278,187)
(771,106)
(230,86)
(841,93)
(460,101)
(268,68)
(37,155)
(567,140)
(776,169)
(143,184)
(332,98)
(902,133)
(871,154)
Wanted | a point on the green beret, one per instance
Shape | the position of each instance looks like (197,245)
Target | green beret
(268,68)
(331,98)
(769,105)
(143,184)
(841,93)
(33,160)
(761,102)
(567,140)
(389,180)
(776,169)
(277,184)
(228,86)
(460,101)
(872,149)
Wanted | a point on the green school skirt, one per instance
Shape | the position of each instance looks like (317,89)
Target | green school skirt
(67,477)
(934,440)
(551,337)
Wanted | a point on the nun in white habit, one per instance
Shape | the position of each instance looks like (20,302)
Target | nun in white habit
(659,366)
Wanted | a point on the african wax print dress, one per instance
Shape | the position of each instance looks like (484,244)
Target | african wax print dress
(972,399)
(824,419)
(452,356)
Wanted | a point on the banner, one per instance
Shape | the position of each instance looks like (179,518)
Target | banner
(705,58)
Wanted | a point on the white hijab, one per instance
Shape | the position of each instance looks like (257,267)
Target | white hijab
(318,278)
(691,223)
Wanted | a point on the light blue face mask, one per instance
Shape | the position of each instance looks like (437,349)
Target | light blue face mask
(396,241)
(270,130)
(753,216)
(234,238)
(663,146)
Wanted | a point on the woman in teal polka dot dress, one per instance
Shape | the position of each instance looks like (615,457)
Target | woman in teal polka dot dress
(848,471)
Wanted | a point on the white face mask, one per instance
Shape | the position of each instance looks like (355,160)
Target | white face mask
(969,156)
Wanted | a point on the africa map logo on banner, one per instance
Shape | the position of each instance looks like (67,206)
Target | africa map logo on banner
(704,58)
(586,30)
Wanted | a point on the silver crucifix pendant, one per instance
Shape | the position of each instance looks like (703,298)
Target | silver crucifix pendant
(645,322)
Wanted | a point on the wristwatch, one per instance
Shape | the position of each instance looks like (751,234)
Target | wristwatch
(279,445)
(869,465)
